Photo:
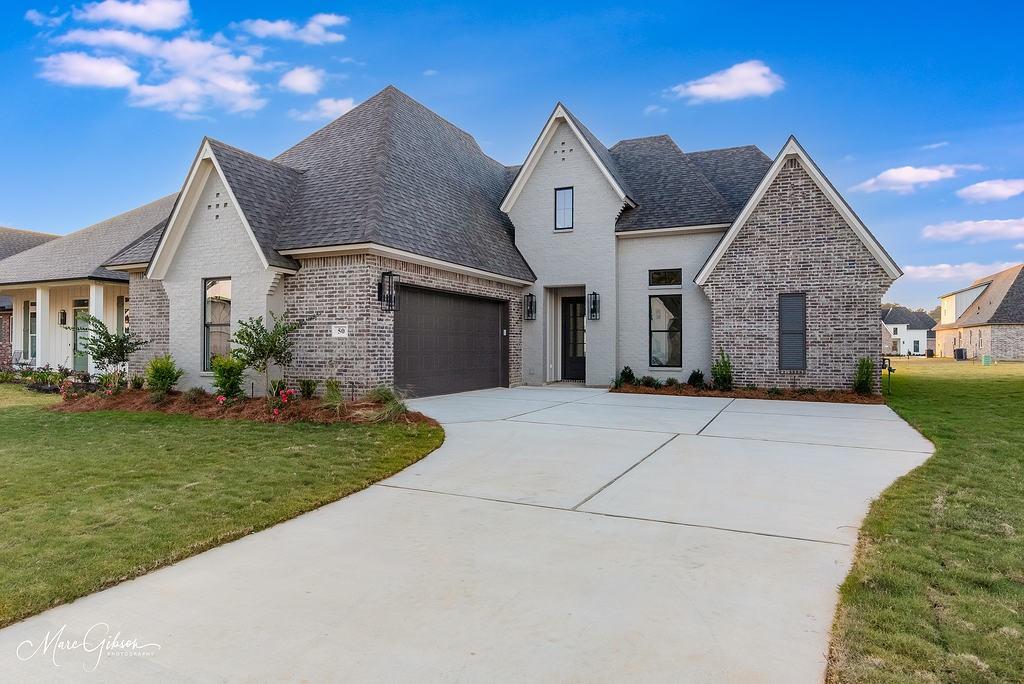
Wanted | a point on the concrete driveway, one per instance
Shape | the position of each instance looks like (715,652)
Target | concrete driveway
(559,534)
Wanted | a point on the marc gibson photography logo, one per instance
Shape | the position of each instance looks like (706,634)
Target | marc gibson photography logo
(96,644)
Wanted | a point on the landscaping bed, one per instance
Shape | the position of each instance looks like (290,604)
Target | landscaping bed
(197,405)
(683,390)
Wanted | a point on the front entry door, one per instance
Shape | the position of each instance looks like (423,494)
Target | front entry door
(574,359)
(81,360)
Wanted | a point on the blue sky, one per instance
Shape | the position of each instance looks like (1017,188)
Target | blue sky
(915,113)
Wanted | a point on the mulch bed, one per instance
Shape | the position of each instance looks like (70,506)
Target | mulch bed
(682,390)
(296,410)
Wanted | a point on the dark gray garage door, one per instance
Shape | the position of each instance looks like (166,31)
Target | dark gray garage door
(449,343)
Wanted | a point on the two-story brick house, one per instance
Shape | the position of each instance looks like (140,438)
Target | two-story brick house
(421,262)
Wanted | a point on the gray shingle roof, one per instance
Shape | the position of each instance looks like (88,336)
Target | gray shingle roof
(141,250)
(82,254)
(607,158)
(1001,302)
(901,315)
(669,190)
(735,171)
(15,240)
(394,173)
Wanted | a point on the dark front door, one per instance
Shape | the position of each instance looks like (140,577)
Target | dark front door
(574,358)
(449,343)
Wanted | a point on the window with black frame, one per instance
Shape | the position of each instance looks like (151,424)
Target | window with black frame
(563,208)
(665,326)
(216,319)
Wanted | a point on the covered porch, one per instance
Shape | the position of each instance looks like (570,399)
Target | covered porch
(44,316)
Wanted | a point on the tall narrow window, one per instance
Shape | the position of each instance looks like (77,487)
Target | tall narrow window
(793,331)
(563,208)
(32,331)
(665,330)
(216,319)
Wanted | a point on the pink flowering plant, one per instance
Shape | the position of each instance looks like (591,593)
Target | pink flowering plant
(280,401)
(68,390)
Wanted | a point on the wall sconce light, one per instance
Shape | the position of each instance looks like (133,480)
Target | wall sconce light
(529,307)
(62,317)
(387,291)
(594,306)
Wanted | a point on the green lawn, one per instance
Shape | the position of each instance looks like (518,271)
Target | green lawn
(937,590)
(90,499)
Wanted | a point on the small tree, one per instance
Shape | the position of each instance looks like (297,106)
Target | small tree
(109,351)
(258,346)
(721,371)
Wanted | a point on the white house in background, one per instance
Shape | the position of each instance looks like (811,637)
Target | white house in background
(906,332)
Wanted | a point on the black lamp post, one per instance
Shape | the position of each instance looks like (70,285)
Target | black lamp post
(594,306)
(529,307)
(387,291)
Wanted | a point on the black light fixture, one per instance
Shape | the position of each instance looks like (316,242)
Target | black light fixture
(62,317)
(387,291)
(594,306)
(529,307)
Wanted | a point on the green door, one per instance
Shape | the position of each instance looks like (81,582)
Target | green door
(81,359)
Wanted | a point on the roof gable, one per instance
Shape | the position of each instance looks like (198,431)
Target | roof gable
(901,315)
(604,160)
(1000,302)
(793,150)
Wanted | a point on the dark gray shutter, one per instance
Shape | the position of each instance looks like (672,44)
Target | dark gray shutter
(24,330)
(120,315)
(793,331)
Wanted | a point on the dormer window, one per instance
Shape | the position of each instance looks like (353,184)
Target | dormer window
(563,208)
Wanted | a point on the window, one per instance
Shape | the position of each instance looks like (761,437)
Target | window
(665,330)
(917,346)
(216,319)
(793,331)
(563,209)
(895,331)
(32,331)
(665,276)
(895,346)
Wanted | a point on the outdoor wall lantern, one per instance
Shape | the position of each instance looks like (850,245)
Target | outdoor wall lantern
(529,307)
(62,317)
(387,291)
(594,306)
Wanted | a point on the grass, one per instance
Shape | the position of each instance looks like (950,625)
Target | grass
(936,593)
(91,499)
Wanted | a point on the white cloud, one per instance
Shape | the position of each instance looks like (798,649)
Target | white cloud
(975,231)
(45,20)
(129,41)
(80,69)
(934,145)
(1019,245)
(965,271)
(351,60)
(906,179)
(987,191)
(654,109)
(314,32)
(746,79)
(304,79)
(151,15)
(431,72)
(326,108)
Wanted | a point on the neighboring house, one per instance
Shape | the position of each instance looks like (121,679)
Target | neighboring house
(908,331)
(13,241)
(421,262)
(985,318)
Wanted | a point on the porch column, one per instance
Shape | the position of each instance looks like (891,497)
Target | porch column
(42,325)
(96,310)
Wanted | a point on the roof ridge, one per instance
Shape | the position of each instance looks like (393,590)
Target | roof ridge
(375,205)
(642,137)
(30,232)
(700,174)
(253,155)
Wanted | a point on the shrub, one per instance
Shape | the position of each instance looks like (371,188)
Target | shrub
(109,351)
(138,382)
(157,397)
(774,392)
(671,382)
(391,403)
(650,381)
(333,398)
(626,376)
(162,374)
(194,395)
(750,386)
(307,387)
(721,372)
(696,378)
(864,378)
(228,374)
(258,346)
(806,390)
(83,376)
(68,391)
(8,376)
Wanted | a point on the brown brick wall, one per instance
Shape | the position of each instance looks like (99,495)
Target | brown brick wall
(343,290)
(796,241)
(148,313)
(5,339)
